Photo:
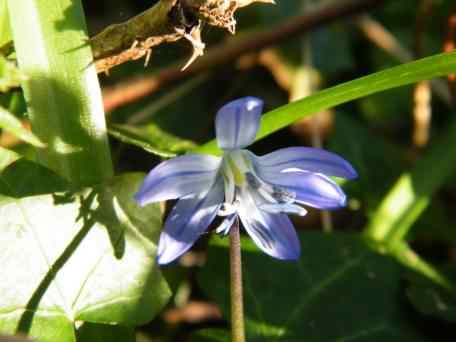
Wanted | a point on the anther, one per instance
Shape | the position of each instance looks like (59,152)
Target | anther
(282,195)
(252,180)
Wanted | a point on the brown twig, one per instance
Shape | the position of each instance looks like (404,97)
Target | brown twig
(135,89)
(422,110)
(165,22)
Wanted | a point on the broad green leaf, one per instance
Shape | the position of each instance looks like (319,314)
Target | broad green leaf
(79,256)
(339,290)
(5,30)
(151,138)
(25,178)
(10,76)
(61,88)
(431,299)
(423,69)
(91,332)
(10,123)
(7,157)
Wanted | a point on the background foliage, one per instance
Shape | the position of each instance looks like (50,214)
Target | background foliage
(78,253)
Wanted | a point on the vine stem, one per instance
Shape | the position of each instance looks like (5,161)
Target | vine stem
(237,304)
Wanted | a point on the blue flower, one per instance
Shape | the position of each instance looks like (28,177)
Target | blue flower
(258,190)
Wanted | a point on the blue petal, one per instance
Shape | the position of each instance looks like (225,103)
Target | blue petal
(272,233)
(312,189)
(237,122)
(306,159)
(187,221)
(178,177)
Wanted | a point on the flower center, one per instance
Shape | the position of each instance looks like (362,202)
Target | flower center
(241,180)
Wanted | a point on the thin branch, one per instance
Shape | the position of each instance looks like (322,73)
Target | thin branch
(135,89)
(165,22)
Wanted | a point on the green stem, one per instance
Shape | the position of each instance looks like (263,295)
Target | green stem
(61,88)
(237,306)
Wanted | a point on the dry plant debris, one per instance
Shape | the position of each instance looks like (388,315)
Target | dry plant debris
(165,22)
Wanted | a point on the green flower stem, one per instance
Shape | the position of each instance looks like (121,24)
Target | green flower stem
(237,305)
(61,88)
(412,193)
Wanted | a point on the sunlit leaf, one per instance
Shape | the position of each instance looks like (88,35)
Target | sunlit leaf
(7,157)
(339,290)
(151,138)
(10,77)
(411,193)
(61,87)
(78,256)
(5,30)
(423,69)
(11,124)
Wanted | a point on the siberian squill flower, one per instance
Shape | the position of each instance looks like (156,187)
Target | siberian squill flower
(258,190)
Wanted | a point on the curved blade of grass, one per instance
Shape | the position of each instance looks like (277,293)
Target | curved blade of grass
(61,88)
(423,69)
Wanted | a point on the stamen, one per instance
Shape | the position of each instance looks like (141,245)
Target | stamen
(282,195)
(287,208)
(227,209)
(252,180)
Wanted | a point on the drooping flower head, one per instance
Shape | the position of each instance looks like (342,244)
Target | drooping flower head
(260,191)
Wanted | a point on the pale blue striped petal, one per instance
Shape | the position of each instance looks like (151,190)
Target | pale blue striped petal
(189,218)
(312,189)
(306,159)
(272,233)
(237,122)
(178,177)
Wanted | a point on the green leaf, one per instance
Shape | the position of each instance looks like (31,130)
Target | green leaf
(7,157)
(412,192)
(79,256)
(25,178)
(211,335)
(152,139)
(423,69)
(61,88)
(10,123)
(431,299)
(10,76)
(5,30)
(339,290)
(91,332)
